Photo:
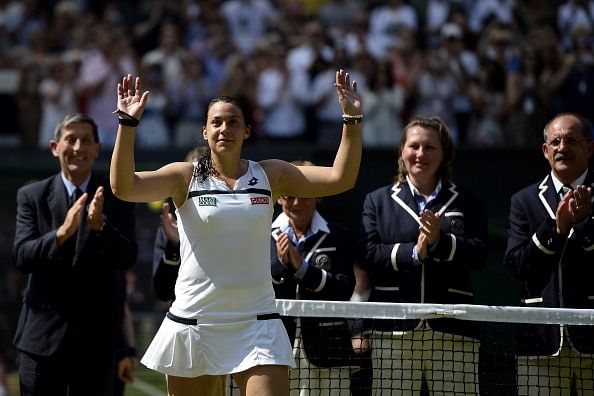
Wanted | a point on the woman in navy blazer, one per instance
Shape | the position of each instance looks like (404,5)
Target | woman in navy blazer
(421,237)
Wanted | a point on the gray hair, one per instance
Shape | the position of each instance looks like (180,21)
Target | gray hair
(585,125)
(76,118)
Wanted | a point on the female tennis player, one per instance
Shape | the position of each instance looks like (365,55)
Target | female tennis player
(224,319)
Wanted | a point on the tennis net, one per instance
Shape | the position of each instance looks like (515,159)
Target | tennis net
(361,348)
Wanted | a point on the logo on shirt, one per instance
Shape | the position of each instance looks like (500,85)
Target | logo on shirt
(260,200)
(253,181)
(207,201)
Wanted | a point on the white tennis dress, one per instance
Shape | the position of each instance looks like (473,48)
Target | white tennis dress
(224,283)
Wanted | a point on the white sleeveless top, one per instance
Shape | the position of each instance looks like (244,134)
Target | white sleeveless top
(224,275)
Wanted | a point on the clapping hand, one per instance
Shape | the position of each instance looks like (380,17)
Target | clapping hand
(95,217)
(573,208)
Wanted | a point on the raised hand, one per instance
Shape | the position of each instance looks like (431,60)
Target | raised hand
(348,97)
(131,99)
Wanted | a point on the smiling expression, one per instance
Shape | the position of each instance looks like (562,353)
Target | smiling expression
(422,154)
(77,151)
(566,148)
(225,128)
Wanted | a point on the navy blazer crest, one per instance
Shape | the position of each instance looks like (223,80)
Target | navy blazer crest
(555,271)
(390,229)
(329,276)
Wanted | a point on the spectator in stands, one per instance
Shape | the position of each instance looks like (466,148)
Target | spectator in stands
(154,133)
(525,98)
(218,289)
(572,15)
(387,24)
(436,89)
(248,21)
(191,91)
(421,238)
(464,66)
(73,238)
(313,259)
(107,57)
(550,249)
(281,96)
(576,90)
(58,95)
(383,120)
(168,55)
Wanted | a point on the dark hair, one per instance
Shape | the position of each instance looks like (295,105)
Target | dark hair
(204,168)
(585,125)
(444,172)
(76,118)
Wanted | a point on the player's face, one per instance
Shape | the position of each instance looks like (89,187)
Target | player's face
(225,128)
(567,149)
(422,154)
(77,150)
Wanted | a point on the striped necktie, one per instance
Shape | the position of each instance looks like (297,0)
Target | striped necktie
(565,189)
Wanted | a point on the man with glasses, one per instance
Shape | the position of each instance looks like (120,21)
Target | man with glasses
(550,249)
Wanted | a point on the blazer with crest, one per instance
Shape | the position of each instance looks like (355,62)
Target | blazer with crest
(329,276)
(74,292)
(555,271)
(390,229)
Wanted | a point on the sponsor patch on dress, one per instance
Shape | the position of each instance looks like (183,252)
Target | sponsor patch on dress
(260,200)
(207,201)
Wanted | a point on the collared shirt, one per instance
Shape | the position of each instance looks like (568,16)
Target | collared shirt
(558,185)
(419,198)
(70,187)
(318,223)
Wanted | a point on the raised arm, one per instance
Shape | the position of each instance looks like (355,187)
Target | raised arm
(319,181)
(126,183)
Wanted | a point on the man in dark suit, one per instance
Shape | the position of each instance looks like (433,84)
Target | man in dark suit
(74,249)
(550,249)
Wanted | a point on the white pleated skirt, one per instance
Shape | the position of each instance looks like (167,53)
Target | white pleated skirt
(213,349)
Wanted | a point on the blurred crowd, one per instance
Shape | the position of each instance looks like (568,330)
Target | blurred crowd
(494,70)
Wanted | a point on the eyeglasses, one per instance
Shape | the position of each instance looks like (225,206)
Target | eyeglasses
(567,141)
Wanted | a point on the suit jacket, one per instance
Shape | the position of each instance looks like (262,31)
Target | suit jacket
(74,291)
(555,271)
(329,276)
(390,229)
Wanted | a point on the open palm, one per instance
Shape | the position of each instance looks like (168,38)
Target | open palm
(131,99)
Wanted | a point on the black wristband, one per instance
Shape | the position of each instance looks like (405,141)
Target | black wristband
(352,119)
(131,122)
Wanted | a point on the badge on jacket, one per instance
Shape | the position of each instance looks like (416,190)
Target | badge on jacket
(457,226)
(323,262)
